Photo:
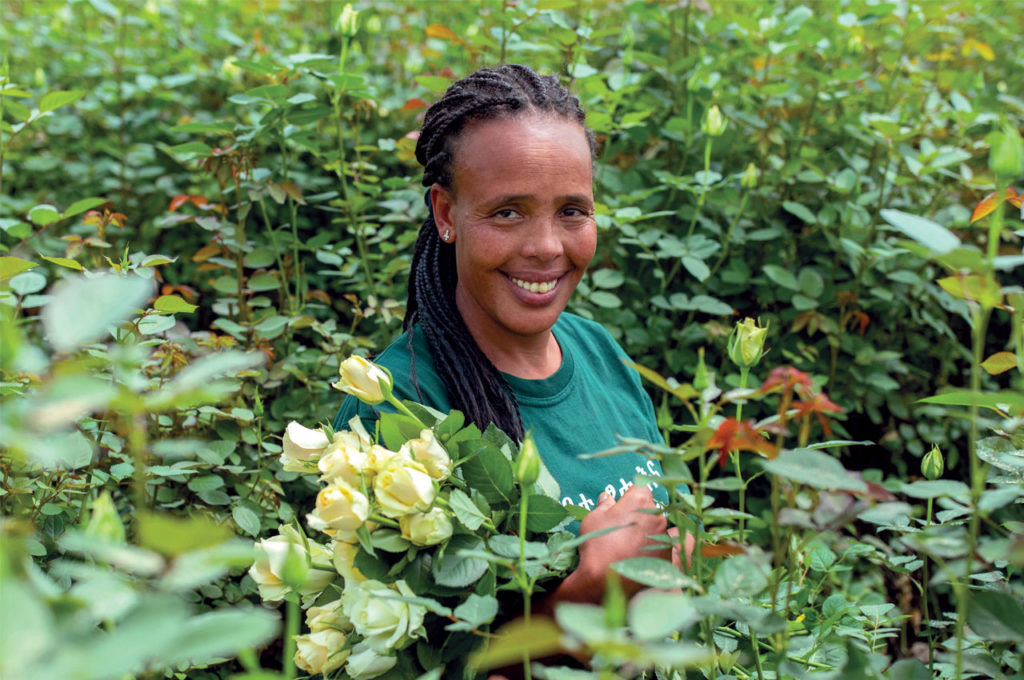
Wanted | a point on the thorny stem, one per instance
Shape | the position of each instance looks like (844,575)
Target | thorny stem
(703,187)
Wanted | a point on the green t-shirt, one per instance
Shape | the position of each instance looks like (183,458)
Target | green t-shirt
(582,408)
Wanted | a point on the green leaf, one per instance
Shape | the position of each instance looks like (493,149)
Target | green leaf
(55,100)
(813,468)
(1001,453)
(995,616)
(654,614)
(191,149)
(246,519)
(800,211)
(998,400)
(544,513)
(475,611)
(64,262)
(782,277)
(434,84)
(169,535)
(741,576)
(607,278)
(465,510)
(155,323)
(934,488)
(173,304)
(458,571)
(489,472)
(517,640)
(199,376)
(12,266)
(930,234)
(908,669)
(43,214)
(603,298)
(221,634)
(652,571)
(82,205)
(83,310)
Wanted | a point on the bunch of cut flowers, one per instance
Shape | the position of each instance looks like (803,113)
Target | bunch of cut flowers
(418,530)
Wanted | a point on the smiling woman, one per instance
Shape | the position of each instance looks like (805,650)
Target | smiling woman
(507,165)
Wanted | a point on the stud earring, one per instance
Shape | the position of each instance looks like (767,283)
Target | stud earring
(447,236)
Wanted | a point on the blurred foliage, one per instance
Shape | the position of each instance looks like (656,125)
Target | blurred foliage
(266,148)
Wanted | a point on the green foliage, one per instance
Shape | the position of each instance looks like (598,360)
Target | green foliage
(846,174)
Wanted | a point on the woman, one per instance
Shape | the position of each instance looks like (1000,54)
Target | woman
(507,162)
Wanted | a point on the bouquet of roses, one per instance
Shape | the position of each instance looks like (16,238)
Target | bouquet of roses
(421,525)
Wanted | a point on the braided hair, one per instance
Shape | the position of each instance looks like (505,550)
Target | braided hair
(476,387)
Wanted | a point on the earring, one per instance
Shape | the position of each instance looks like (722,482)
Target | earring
(447,236)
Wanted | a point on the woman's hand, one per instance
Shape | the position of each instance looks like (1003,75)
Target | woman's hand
(636,524)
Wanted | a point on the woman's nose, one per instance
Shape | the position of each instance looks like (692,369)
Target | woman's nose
(544,240)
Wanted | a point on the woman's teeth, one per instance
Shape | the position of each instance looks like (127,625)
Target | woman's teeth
(534,286)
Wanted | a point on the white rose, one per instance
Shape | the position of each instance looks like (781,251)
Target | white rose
(346,459)
(426,528)
(301,446)
(327,617)
(339,507)
(403,486)
(272,554)
(385,623)
(429,451)
(364,663)
(321,652)
(362,379)
(379,457)
(344,555)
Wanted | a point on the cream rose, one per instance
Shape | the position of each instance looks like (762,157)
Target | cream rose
(344,555)
(327,617)
(380,456)
(364,663)
(429,451)
(301,447)
(271,557)
(346,459)
(384,622)
(426,528)
(362,379)
(403,486)
(339,507)
(321,652)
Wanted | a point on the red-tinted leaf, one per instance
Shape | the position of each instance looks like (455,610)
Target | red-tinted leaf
(177,201)
(413,104)
(723,549)
(205,253)
(443,32)
(988,204)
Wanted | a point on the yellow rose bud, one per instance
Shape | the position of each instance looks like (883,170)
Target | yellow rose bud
(346,460)
(932,464)
(426,528)
(348,21)
(272,557)
(321,652)
(403,486)
(528,462)
(339,507)
(429,451)
(747,343)
(344,555)
(749,179)
(301,446)
(104,520)
(364,380)
(327,617)
(714,122)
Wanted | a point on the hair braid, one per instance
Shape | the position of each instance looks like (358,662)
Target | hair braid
(474,385)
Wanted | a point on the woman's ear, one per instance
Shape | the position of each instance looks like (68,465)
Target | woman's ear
(442,204)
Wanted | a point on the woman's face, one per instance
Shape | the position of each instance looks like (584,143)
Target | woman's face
(521,213)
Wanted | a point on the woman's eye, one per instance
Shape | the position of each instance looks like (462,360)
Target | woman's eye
(507,213)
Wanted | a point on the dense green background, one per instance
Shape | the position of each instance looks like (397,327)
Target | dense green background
(265,149)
